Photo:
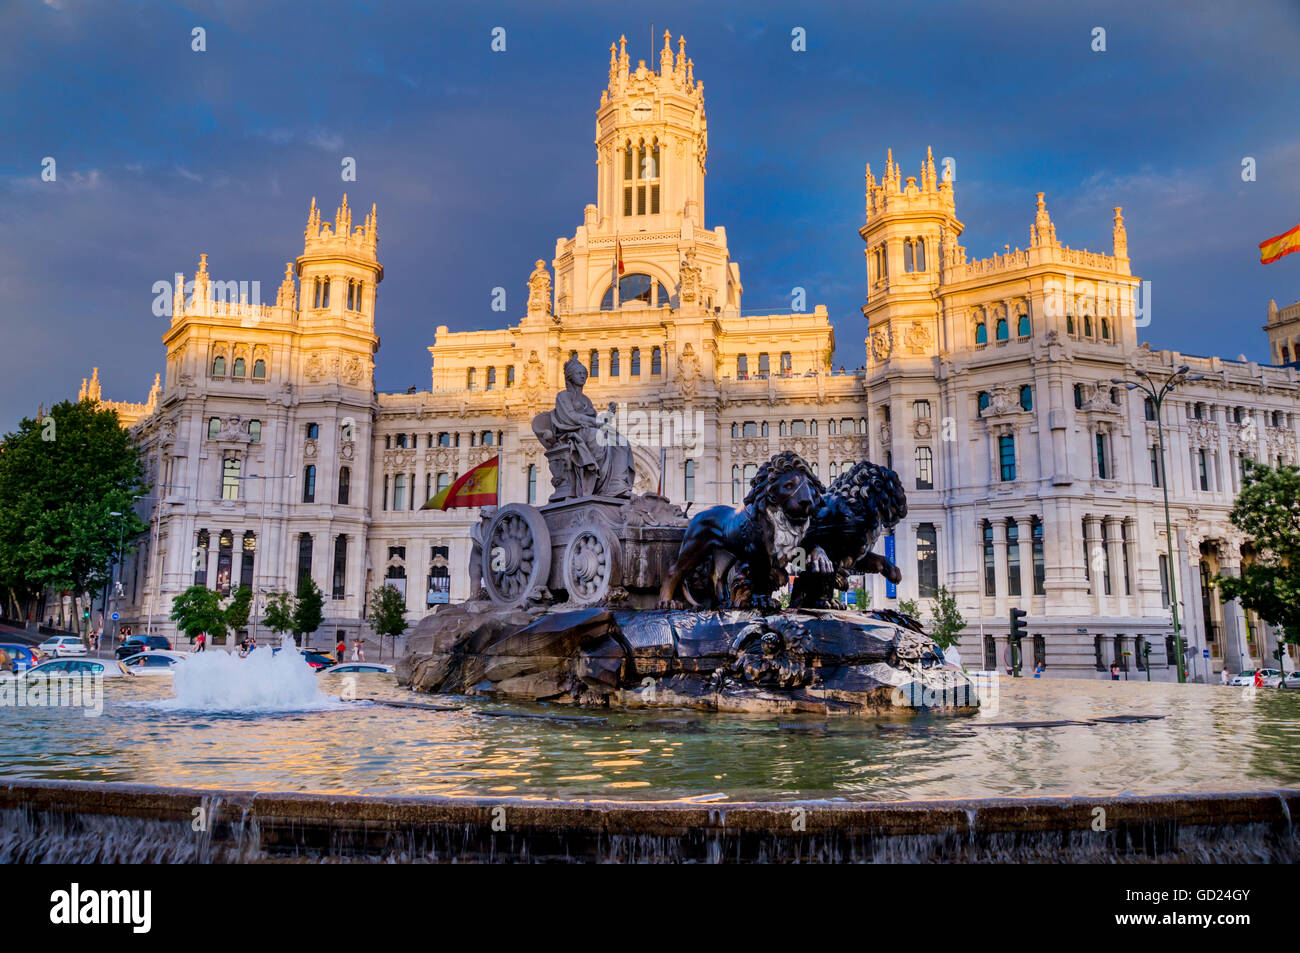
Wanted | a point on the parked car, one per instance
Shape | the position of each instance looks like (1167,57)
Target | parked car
(143,643)
(316,659)
(357,668)
(1273,678)
(62,645)
(70,668)
(23,656)
(1247,676)
(153,662)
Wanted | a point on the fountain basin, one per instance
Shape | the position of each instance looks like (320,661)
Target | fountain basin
(69,821)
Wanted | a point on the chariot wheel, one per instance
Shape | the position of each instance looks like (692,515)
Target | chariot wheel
(593,565)
(516,555)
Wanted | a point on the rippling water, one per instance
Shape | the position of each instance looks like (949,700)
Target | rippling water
(1211,738)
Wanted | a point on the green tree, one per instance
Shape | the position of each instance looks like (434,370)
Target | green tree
(863,599)
(387,614)
(279,613)
(947,622)
(237,612)
(1268,511)
(910,607)
(61,478)
(198,609)
(308,611)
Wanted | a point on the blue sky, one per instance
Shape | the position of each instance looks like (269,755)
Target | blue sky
(479,160)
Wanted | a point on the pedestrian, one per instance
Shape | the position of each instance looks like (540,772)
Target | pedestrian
(201,642)
(358,653)
(341,650)
(1038,670)
(1224,676)
(1259,678)
(1114,670)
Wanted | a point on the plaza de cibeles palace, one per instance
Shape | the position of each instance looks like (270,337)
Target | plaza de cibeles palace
(1032,480)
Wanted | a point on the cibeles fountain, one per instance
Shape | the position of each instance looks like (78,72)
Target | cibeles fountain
(603,597)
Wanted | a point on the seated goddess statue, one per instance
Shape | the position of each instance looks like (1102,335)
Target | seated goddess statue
(587,456)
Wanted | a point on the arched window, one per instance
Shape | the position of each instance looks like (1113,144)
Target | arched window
(983,400)
(1105,329)
(1003,331)
(238,369)
(259,370)
(750,429)
(636,287)
(1069,324)
(593,363)
(325,293)
(763,429)
(510,376)
(613,363)
(981,333)
(1087,325)
(309,483)
(1149,406)
(254,431)
(471,378)
(1022,326)
(656,361)
(1026,397)
(345,485)
(909,264)
(218,366)
(313,431)
(491,378)
(487,439)
(636,362)
(532,483)
(214,427)
(920,254)
(783,430)
(1078,396)
(735,431)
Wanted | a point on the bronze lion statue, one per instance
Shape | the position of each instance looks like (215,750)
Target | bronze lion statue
(866,502)
(744,552)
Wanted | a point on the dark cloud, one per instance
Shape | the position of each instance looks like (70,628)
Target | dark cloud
(478,161)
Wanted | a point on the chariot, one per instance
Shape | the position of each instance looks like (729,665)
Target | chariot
(593,550)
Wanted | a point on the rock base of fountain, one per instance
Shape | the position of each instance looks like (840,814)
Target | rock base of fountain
(823,661)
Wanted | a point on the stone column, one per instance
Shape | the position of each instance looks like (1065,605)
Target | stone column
(1000,563)
(1025,532)
(1236,654)
(1091,547)
(1189,591)
(1115,553)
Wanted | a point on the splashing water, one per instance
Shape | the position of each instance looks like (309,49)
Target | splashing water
(264,681)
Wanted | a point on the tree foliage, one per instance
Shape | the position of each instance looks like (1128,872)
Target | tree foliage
(1268,511)
(279,613)
(198,609)
(947,622)
(60,479)
(309,606)
(237,611)
(387,611)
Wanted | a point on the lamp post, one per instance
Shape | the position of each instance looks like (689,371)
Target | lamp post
(1157,394)
(115,575)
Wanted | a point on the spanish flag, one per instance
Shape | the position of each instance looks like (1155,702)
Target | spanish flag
(1284,244)
(478,487)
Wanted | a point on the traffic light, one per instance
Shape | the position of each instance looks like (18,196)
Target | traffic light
(1017,632)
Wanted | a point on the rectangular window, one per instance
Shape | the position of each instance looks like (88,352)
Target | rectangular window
(689,478)
(1105,551)
(924,468)
(1007,458)
(1155,466)
(990,653)
(627,200)
(640,199)
(1040,569)
(304,557)
(230,468)
(1102,472)
(1203,468)
(399,491)
(654,200)
(1013,558)
(1128,579)
(927,561)
(340,566)
(532,483)
(990,564)
(1164,580)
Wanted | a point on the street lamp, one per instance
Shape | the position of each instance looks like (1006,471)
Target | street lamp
(1148,385)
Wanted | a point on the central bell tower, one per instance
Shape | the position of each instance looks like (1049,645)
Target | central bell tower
(651,144)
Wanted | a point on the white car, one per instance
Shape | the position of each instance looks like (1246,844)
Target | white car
(153,662)
(71,668)
(63,645)
(357,668)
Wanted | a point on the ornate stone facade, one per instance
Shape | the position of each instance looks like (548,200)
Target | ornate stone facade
(987,386)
